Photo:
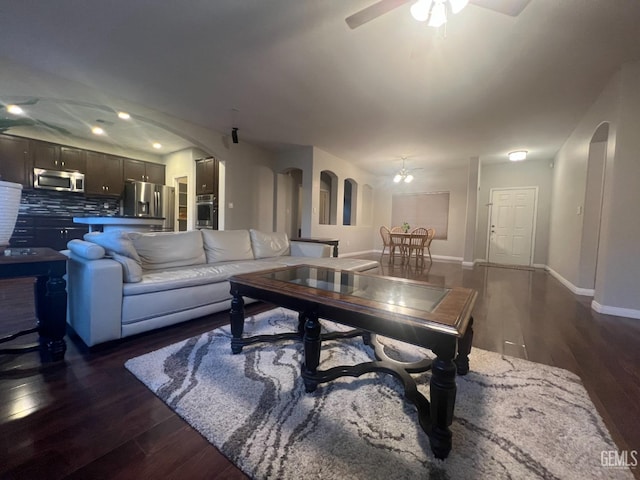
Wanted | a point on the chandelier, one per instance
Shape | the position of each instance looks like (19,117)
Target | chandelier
(403,175)
(435,11)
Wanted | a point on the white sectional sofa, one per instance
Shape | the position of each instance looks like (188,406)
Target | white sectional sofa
(124,283)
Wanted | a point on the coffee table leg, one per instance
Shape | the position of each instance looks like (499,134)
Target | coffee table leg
(464,348)
(302,318)
(51,307)
(311,349)
(443,399)
(237,320)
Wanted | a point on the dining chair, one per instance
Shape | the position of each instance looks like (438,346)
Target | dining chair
(431,232)
(388,242)
(416,243)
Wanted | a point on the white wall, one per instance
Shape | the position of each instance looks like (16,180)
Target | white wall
(618,273)
(452,180)
(516,174)
(353,238)
(617,282)
(569,185)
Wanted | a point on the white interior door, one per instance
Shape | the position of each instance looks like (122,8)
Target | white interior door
(512,225)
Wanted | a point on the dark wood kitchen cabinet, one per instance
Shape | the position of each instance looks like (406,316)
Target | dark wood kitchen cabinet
(15,165)
(142,171)
(207,172)
(104,174)
(40,231)
(55,157)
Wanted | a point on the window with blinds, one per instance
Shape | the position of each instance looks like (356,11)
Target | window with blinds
(429,210)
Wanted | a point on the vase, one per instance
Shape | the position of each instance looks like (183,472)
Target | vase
(9,205)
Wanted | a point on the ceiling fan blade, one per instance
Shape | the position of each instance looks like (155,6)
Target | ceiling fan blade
(372,12)
(508,7)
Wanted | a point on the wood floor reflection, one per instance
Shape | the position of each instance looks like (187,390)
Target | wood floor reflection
(88,417)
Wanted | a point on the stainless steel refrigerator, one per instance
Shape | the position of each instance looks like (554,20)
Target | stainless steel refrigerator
(143,199)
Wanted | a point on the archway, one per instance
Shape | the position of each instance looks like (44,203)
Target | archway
(288,217)
(592,210)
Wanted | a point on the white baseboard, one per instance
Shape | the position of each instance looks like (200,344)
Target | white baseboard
(363,252)
(617,311)
(587,292)
(445,258)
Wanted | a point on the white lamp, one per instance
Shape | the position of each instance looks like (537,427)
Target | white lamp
(518,156)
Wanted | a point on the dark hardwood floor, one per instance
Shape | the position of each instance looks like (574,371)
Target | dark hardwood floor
(89,418)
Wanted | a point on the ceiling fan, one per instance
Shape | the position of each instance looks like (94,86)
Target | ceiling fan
(507,7)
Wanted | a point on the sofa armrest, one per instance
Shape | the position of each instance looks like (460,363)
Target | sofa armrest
(307,249)
(94,296)
(86,250)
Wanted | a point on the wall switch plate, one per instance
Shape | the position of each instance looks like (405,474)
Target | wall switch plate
(230,204)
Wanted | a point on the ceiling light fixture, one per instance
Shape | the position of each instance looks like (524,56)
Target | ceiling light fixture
(124,115)
(15,110)
(518,155)
(157,145)
(403,175)
(435,11)
(97,131)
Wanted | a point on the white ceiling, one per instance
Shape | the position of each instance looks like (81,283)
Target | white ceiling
(296,74)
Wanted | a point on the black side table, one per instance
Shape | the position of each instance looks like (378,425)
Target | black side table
(49,267)
(329,241)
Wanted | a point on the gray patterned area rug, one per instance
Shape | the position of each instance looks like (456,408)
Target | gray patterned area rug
(513,418)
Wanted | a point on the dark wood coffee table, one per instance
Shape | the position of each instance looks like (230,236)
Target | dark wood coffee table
(419,313)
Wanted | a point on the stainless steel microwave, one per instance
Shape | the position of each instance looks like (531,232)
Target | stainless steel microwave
(58,180)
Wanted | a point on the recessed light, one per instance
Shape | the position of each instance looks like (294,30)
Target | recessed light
(518,156)
(157,145)
(97,131)
(124,115)
(15,109)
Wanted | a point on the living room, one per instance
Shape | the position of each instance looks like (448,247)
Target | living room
(594,262)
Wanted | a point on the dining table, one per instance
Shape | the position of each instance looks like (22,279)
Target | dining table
(401,239)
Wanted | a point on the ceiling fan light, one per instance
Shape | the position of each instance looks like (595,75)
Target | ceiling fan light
(397,178)
(408,179)
(458,5)
(15,110)
(518,155)
(420,10)
(438,14)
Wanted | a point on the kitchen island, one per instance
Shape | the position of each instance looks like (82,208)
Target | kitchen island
(126,223)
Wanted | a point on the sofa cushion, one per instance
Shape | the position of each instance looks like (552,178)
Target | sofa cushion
(227,245)
(269,244)
(184,277)
(162,250)
(118,245)
(114,241)
(131,270)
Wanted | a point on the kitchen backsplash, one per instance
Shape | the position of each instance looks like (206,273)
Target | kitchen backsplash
(49,202)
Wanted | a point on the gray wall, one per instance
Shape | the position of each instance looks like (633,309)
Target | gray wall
(617,282)
(516,174)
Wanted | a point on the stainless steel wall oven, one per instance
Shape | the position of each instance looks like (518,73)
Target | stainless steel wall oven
(207,211)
